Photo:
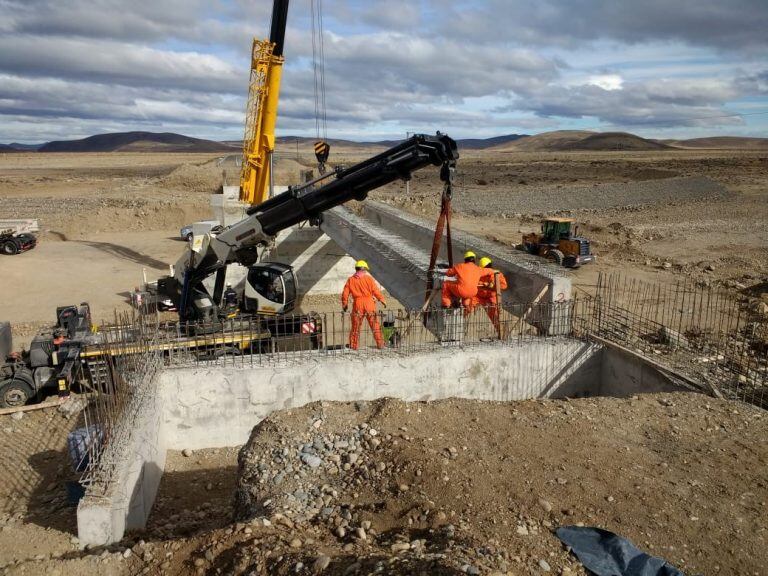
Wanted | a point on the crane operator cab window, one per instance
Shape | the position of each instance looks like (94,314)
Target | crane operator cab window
(270,289)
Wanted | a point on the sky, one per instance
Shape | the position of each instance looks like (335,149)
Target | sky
(470,68)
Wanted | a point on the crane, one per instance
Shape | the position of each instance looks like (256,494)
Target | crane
(271,287)
(261,113)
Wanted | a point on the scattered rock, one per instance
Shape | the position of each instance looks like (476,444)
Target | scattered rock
(544,565)
(321,563)
(545,504)
(186,452)
(17,415)
(672,337)
(311,460)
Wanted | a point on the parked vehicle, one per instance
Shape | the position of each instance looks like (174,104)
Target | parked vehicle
(199,228)
(12,243)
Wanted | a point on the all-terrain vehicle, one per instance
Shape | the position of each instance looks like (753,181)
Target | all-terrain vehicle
(12,243)
(559,242)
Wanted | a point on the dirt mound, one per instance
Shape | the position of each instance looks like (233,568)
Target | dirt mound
(200,179)
(136,142)
(460,486)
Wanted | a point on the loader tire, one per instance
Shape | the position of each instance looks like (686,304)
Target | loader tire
(556,256)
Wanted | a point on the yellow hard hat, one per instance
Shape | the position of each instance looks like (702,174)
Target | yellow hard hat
(361,264)
(485,261)
(469,254)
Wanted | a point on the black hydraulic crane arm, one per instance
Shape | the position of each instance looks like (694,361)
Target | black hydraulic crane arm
(241,242)
(306,202)
(277,29)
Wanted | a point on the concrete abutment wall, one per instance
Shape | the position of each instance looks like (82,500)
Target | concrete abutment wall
(207,407)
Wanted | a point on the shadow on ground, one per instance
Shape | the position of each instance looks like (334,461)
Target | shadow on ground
(192,501)
(125,253)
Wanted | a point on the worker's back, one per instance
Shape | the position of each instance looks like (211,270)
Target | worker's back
(468,273)
(362,286)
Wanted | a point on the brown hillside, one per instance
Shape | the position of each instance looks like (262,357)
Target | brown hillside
(545,141)
(723,142)
(613,141)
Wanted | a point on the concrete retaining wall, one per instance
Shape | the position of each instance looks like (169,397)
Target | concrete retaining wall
(321,266)
(102,519)
(214,407)
(623,375)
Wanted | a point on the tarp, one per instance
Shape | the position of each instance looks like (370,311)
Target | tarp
(606,554)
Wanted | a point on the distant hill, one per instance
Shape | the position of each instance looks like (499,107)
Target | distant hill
(722,142)
(24,147)
(483,143)
(136,142)
(545,141)
(465,143)
(615,141)
(566,140)
(4,148)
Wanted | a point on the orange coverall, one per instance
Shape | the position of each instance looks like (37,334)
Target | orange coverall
(468,275)
(363,289)
(486,294)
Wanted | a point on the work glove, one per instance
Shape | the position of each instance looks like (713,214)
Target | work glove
(344,308)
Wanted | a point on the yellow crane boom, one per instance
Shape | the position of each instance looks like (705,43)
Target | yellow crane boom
(261,114)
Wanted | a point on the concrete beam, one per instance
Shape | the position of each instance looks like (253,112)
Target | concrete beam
(400,267)
(527,274)
(397,245)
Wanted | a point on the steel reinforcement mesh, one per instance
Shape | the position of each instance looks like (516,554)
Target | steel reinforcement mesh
(706,337)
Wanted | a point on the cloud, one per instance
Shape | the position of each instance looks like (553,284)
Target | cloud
(737,25)
(660,103)
(116,62)
(481,67)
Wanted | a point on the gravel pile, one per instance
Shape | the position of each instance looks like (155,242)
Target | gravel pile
(462,487)
(548,199)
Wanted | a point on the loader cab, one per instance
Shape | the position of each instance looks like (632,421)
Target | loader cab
(555,229)
(270,288)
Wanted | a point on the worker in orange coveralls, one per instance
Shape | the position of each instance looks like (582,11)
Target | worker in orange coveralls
(486,290)
(364,291)
(464,288)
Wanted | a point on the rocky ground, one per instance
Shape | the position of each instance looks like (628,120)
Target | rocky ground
(451,487)
(469,487)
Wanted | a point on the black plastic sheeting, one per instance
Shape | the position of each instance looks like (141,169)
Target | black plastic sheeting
(606,554)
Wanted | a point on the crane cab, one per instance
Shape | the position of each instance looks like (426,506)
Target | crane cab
(270,288)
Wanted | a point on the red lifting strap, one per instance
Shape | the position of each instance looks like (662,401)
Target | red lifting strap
(443,222)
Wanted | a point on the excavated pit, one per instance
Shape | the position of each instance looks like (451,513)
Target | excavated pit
(217,407)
